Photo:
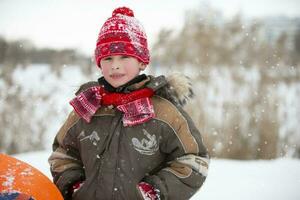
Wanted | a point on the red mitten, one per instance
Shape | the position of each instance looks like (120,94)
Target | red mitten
(76,186)
(148,191)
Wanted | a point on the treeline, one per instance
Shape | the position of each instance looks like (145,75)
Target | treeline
(24,53)
(207,40)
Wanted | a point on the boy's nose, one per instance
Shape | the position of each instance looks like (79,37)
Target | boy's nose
(113,67)
(115,64)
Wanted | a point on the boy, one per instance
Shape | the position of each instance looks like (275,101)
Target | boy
(128,136)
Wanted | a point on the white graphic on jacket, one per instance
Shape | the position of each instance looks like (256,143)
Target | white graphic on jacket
(146,146)
(94,137)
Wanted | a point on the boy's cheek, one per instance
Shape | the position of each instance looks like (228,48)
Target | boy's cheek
(105,70)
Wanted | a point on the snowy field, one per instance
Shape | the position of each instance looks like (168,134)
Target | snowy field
(229,179)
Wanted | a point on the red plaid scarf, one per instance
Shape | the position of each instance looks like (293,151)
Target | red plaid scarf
(136,106)
(137,112)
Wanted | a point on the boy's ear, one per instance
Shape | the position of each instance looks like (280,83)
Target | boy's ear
(142,66)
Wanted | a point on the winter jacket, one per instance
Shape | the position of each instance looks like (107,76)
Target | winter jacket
(166,151)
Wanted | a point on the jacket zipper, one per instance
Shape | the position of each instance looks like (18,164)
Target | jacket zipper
(117,163)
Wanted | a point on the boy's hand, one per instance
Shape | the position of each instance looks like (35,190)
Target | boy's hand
(148,191)
(76,186)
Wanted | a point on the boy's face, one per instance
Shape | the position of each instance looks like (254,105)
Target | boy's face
(120,69)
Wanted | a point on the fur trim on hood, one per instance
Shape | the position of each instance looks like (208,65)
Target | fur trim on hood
(182,85)
(178,89)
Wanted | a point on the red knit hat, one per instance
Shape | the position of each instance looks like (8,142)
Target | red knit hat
(122,34)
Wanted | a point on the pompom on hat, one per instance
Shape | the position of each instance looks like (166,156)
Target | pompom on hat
(122,34)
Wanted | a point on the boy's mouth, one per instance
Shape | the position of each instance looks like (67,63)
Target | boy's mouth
(116,75)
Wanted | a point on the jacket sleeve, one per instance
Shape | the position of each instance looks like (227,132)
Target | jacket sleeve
(65,163)
(187,160)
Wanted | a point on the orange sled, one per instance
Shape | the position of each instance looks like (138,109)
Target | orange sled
(19,177)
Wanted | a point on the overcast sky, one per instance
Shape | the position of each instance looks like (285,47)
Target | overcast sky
(75,23)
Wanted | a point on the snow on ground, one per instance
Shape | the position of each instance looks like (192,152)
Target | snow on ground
(229,179)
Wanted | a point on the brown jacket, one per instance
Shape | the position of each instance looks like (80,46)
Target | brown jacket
(167,151)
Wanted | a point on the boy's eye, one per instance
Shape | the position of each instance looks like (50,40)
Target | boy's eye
(107,58)
(125,57)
